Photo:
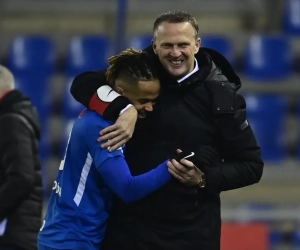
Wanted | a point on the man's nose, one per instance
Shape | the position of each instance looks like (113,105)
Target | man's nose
(149,107)
(175,52)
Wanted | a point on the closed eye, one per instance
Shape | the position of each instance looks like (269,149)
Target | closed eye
(183,45)
(167,45)
(144,101)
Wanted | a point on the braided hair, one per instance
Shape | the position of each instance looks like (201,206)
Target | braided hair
(132,66)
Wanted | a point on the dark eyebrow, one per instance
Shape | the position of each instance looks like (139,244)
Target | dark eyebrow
(185,43)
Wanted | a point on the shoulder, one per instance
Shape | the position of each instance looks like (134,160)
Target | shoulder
(11,121)
(92,121)
(222,63)
(94,118)
(12,129)
(224,96)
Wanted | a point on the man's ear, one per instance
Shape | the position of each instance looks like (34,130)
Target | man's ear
(154,47)
(120,90)
(197,45)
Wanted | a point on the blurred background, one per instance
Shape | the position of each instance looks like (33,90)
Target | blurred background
(45,43)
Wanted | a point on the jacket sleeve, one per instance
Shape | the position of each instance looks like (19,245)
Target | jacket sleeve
(17,165)
(92,90)
(242,164)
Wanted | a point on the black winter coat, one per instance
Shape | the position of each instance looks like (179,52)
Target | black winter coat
(20,172)
(205,114)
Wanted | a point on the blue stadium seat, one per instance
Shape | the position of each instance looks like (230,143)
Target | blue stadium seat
(219,43)
(291,19)
(71,108)
(37,88)
(32,54)
(268,58)
(275,239)
(267,116)
(87,53)
(296,240)
(140,42)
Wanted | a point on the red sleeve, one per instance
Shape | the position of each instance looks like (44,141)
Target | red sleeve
(97,105)
(91,89)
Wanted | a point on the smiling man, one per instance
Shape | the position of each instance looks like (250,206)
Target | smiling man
(176,44)
(200,110)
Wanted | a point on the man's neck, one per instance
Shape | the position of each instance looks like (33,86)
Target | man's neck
(196,68)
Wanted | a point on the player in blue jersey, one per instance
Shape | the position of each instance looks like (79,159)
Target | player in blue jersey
(88,175)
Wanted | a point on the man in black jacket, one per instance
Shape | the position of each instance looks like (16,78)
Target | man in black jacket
(199,111)
(20,169)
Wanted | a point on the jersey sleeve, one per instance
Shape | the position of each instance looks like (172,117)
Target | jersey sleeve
(117,176)
(115,171)
(92,90)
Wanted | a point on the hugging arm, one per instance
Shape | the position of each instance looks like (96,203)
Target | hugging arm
(92,90)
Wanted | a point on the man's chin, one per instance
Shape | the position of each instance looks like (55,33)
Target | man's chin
(177,73)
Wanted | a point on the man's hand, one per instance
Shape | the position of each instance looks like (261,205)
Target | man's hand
(185,171)
(118,134)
